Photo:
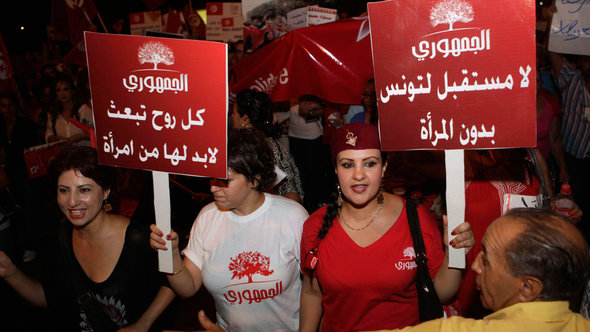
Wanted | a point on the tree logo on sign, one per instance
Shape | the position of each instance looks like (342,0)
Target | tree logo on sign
(249,263)
(155,52)
(451,11)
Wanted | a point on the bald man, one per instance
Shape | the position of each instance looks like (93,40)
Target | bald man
(532,263)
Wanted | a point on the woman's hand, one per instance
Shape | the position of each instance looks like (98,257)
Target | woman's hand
(207,324)
(7,268)
(157,241)
(464,236)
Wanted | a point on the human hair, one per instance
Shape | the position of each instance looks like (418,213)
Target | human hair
(332,205)
(250,154)
(58,107)
(83,159)
(544,250)
(258,107)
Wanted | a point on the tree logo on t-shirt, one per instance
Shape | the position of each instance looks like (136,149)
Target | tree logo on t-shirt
(248,263)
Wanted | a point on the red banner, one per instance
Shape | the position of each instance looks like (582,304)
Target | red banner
(7,83)
(331,61)
(454,74)
(159,104)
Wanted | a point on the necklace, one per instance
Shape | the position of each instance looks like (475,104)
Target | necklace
(367,225)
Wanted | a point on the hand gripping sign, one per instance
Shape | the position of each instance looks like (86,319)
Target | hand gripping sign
(454,75)
(159,104)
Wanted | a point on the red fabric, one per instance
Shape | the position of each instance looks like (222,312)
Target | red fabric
(7,84)
(88,130)
(550,113)
(482,207)
(327,53)
(175,23)
(354,136)
(362,288)
(72,18)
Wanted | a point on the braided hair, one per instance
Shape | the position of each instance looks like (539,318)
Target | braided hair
(332,207)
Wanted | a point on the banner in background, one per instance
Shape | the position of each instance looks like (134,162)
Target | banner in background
(159,104)
(331,61)
(454,74)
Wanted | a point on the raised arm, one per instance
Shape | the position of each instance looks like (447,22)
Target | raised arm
(186,279)
(447,280)
(27,287)
(310,312)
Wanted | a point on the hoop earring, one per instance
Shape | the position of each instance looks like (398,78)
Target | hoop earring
(339,200)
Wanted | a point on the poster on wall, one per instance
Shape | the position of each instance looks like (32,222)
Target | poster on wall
(159,104)
(454,74)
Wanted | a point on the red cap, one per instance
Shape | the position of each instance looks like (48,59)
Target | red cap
(354,136)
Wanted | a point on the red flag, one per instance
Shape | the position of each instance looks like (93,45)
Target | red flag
(7,84)
(72,17)
(175,22)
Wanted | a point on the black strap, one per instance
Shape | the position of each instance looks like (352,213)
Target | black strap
(428,301)
(94,313)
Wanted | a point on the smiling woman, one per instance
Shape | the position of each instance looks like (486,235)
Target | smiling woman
(100,271)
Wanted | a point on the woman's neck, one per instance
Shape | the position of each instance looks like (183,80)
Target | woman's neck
(254,200)
(95,228)
(360,212)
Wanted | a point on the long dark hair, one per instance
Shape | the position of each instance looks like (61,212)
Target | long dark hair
(57,108)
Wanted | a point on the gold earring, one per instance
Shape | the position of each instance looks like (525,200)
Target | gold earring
(380,197)
(339,200)
(106,206)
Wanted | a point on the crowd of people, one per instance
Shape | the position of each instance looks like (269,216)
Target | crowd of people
(314,228)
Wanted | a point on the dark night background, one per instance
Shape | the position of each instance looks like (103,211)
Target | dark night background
(34,16)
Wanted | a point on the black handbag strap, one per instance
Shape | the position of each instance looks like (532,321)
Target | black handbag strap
(415,231)
(94,313)
(428,300)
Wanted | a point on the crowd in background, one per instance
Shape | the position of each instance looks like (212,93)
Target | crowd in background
(53,105)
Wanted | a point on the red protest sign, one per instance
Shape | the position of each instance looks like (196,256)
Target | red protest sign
(454,74)
(159,104)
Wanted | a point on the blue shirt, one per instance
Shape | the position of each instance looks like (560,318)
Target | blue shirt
(574,129)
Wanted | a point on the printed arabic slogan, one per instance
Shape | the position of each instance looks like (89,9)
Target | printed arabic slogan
(159,104)
(454,74)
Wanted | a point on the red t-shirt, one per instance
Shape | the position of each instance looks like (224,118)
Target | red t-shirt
(374,287)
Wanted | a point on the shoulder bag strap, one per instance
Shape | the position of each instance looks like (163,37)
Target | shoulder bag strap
(428,301)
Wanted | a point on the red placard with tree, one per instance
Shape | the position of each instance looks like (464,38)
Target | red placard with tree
(159,104)
(454,74)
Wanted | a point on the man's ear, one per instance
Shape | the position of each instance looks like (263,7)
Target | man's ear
(530,289)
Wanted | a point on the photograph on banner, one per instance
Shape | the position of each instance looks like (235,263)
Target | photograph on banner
(276,69)
(224,21)
(159,104)
(267,20)
(454,74)
(570,27)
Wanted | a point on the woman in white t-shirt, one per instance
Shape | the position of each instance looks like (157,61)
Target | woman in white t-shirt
(244,247)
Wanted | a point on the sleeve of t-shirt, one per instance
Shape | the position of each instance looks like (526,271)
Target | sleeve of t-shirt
(309,237)
(432,235)
(194,250)
(299,217)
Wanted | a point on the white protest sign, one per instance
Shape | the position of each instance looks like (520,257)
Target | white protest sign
(570,27)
